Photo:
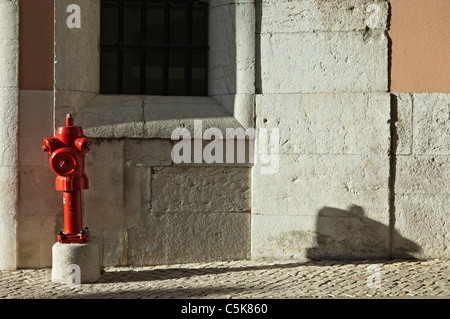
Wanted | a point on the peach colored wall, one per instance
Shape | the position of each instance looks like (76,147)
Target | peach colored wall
(420,34)
(36,45)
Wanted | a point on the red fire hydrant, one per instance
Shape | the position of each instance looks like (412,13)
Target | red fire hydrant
(67,151)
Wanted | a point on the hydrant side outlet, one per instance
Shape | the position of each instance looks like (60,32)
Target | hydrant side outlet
(67,151)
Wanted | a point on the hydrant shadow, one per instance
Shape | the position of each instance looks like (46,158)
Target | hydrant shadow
(350,234)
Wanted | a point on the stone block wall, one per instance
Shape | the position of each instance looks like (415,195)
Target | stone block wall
(144,210)
(9,132)
(363,173)
(422,183)
(323,82)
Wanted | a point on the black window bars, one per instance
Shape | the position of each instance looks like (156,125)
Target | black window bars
(155,47)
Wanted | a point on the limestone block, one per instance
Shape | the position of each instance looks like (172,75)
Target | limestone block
(232,50)
(423,221)
(137,196)
(8,224)
(9,128)
(69,102)
(9,191)
(404,123)
(280,16)
(422,191)
(201,189)
(431,123)
(344,123)
(216,3)
(103,201)
(77,60)
(165,114)
(37,234)
(423,175)
(9,53)
(114,248)
(8,220)
(9,13)
(324,62)
(190,237)
(98,119)
(331,234)
(37,191)
(241,106)
(306,183)
(290,239)
(147,152)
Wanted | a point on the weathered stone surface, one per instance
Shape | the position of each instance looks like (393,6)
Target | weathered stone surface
(9,132)
(324,62)
(404,123)
(189,237)
(422,191)
(70,102)
(9,128)
(8,208)
(9,51)
(280,16)
(342,123)
(423,219)
(37,235)
(114,252)
(232,49)
(290,239)
(216,3)
(147,152)
(103,201)
(330,234)
(8,190)
(98,120)
(137,196)
(9,12)
(423,175)
(165,114)
(201,189)
(37,191)
(431,123)
(75,70)
(150,116)
(306,183)
(241,106)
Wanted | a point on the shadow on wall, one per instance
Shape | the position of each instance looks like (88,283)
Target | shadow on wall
(349,234)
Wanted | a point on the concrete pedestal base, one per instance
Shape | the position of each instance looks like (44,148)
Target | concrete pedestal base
(75,263)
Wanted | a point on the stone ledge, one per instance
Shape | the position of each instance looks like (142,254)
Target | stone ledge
(140,116)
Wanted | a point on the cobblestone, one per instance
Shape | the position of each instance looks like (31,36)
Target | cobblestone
(243,280)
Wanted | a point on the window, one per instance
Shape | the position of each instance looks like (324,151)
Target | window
(154,47)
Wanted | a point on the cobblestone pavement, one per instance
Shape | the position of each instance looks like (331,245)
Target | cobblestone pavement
(244,279)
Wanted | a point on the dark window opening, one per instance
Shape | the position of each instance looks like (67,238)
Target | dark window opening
(154,47)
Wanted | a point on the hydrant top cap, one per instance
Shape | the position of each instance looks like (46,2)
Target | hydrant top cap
(69,119)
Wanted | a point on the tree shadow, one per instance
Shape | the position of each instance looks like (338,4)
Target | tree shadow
(349,234)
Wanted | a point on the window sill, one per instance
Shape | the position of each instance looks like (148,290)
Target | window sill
(140,116)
